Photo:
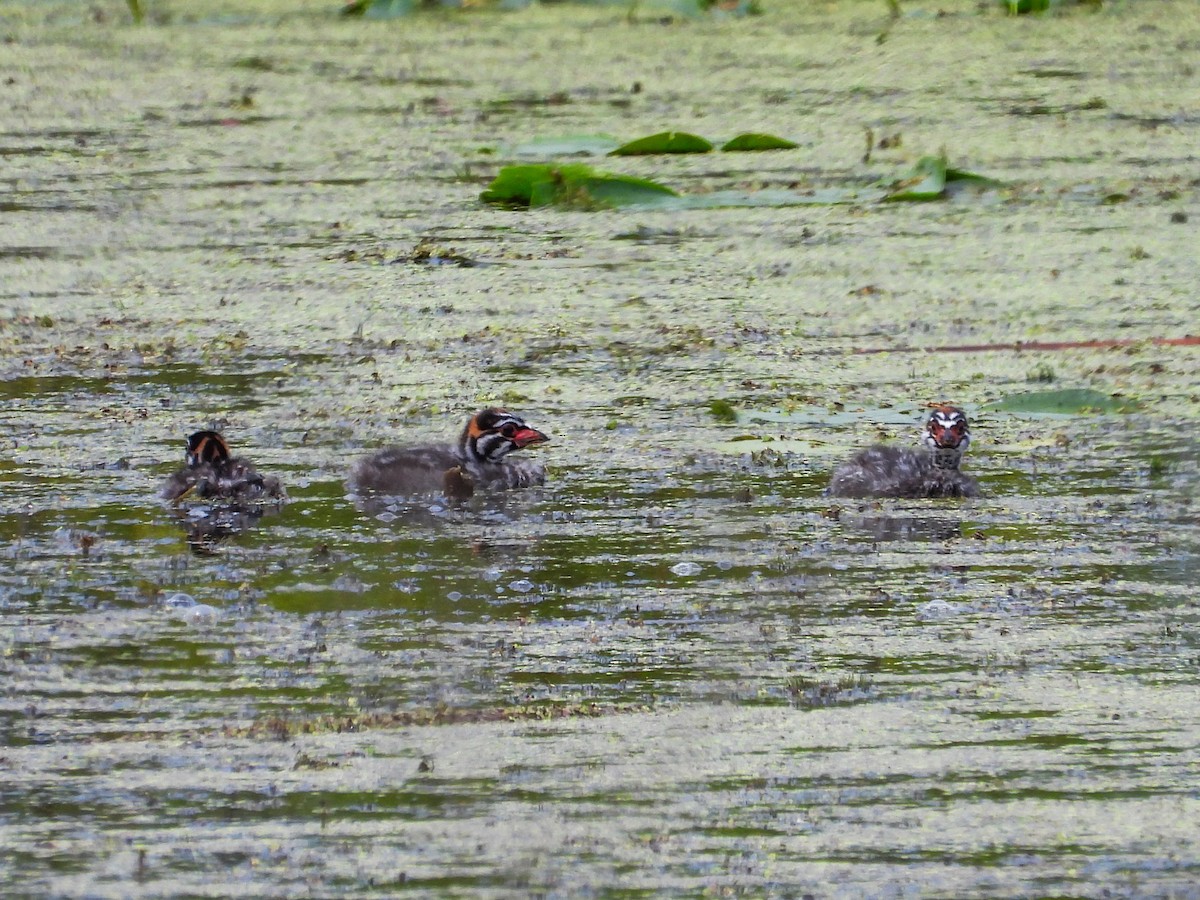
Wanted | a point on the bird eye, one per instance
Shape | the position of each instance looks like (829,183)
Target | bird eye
(509,430)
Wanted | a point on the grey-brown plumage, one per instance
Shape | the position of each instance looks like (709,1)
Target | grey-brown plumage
(883,471)
(214,475)
(478,461)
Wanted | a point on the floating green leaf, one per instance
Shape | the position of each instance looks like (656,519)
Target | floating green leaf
(770,199)
(1022,7)
(394,9)
(927,181)
(1070,401)
(513,185)
(664,142)
(953,175)
(778,199)
(574,185)
(755,141)
(568,145)
(929,178)
(604,191)
(578,186)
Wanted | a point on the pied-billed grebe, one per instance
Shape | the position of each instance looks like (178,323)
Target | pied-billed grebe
(477,461)
(883,471)
(214,475)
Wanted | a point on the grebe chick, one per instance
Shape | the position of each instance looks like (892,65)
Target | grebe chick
(478,461)
(885,471)
(213,474)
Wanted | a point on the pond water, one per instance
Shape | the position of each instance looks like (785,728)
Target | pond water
(678,668)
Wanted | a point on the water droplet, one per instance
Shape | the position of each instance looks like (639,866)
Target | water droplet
(201,614)
(522,585)
(687,568)
(937,609)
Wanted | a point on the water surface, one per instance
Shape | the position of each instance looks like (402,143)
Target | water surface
(678,669)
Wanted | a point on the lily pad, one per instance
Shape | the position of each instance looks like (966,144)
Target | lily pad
(394,9)
(755,141)
(927,181)
(664,142)
(574,186)
(1070,401)
(568,145)
(827,196)
(604,191)
(953,175)
(929,178)
(1023,7)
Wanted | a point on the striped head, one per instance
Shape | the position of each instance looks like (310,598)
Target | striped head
(947,436)
(491,434)
(206,447)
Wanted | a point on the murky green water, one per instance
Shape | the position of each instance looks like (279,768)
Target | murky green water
(677,669)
